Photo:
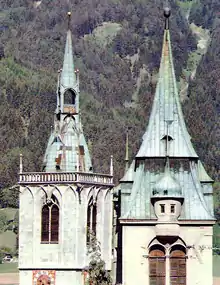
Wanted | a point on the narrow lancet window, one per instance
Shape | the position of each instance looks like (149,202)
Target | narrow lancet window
(50,221)
(91,219)
(45,220)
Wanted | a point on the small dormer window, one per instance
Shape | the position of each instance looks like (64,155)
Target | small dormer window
(162,208)
(172,208)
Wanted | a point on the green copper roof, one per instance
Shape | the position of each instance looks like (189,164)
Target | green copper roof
(203,176)
(166,136)
(166,110)
(129,173)
(68,76)
(167,185)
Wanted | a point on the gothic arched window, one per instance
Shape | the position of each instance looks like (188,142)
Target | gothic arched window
(157,265)
(178,265)
(50,221)
(45,220)
(69,97)
(91,219)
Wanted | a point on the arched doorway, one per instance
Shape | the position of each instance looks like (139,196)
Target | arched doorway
(178,265)
(157,265)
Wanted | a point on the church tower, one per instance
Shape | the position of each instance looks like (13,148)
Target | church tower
(164,201)
(67,200)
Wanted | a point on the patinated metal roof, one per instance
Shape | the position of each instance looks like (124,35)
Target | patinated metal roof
(166,136)
(68,76)
(167,185)
(129,173)
(166,110)
(203,175)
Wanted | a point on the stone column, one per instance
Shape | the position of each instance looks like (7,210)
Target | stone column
(167,266)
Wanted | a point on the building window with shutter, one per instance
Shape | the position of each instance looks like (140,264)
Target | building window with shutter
(91,219)
(50,221)
(178,266)
(157,265)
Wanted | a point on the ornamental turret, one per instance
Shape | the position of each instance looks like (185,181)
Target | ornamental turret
(67,150)
(167,197)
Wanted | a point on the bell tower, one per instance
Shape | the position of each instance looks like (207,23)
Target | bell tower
(164,201)
(62,204)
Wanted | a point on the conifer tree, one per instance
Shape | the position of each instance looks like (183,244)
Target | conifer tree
(97,274)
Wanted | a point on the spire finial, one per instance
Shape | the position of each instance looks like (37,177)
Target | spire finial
(126,152)
(69,18)
(166,13)
(21,163)
(111,165)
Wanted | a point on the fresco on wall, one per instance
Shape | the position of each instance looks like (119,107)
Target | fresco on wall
(44,277)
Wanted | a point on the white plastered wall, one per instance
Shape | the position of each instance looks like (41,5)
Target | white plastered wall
(71,251)
(135,250)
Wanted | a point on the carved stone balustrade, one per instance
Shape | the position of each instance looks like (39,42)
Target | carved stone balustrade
(64,177)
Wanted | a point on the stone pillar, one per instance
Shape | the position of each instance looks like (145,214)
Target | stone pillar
(167,266)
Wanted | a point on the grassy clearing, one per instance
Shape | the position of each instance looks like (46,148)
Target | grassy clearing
(105,33)
(9,268)
(8,239)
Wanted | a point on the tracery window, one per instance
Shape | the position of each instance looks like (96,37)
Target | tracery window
(178,266)
(157,265)
(91,219)
(50,221)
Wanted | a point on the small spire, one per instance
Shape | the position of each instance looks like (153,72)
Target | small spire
(58,90)
(21,163)
(68,76)
(166,15)
(69,19)
(77,76)
(111,165)
(126,153)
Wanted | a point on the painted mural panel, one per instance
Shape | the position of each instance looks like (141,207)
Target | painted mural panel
(44,277)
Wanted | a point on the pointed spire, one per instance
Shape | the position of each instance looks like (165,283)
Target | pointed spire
(68,76)
(21,163)
(58,92)
(111,166)
(166,107)
(126,153)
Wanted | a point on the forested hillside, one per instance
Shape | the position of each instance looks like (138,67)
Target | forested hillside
(117,48)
